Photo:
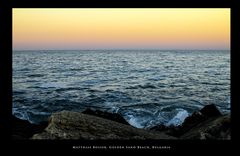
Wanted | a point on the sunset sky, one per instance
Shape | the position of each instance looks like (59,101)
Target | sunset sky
(49,29)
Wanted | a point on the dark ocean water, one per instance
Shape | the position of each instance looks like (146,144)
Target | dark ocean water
(146,87)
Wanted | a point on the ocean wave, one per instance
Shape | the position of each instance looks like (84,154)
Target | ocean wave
(22,115)
(170,97)
(134,121)
(17,92)
(140,118)
(76,69)
(35,75)
(145,86)
(179,118)
(212,83)
(67,89)
(52,85)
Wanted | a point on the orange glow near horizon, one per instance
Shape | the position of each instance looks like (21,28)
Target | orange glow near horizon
(121,28)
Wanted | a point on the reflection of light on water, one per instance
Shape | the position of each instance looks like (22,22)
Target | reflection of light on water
(121,82)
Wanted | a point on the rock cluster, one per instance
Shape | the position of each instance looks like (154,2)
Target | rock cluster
(208,123)
(76,125)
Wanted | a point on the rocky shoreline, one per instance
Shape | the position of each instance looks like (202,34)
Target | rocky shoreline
(208,123)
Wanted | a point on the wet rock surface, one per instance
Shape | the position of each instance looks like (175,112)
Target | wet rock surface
(208,123)
(217,128)
(76,125)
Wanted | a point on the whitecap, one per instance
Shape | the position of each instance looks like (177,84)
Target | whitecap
(134,121)
(21,114)
(114,109)
(179,118)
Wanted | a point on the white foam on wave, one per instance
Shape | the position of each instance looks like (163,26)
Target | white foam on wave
(21,114)
(134,122)
(27,114)
(179,118)
(114,109)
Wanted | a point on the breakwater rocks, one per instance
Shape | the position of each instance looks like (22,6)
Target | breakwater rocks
(208,123)
(75,125)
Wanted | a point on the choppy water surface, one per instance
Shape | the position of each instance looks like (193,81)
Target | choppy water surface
(146,87)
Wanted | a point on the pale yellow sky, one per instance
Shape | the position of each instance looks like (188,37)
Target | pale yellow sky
(121,28)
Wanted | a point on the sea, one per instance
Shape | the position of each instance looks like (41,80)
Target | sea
(146,87)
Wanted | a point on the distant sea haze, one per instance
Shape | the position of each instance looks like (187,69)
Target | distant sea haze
(146,87)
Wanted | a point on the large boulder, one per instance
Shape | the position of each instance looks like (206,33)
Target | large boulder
(76,125)
(207,112)
(210,111)
(213,128)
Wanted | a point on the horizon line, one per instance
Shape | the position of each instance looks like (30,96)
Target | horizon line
(107,49)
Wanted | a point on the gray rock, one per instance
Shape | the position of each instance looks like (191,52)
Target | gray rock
(210,111)
(217,128)
(76,125)
(208,123)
